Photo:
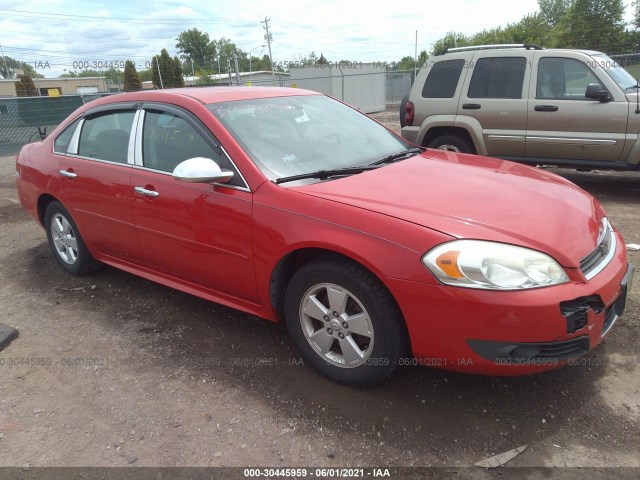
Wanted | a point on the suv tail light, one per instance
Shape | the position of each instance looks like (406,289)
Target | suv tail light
(409,112)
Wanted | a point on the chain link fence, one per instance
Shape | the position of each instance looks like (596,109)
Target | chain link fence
(372,91)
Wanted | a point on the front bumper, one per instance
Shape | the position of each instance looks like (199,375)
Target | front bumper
(516,332)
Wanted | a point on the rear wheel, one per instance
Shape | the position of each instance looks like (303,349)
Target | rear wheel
(66,243)
(344,321)
(451,143)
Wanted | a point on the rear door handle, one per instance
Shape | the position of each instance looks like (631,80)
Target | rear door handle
(66,173)
(471,106)
(145,192)
(545,108)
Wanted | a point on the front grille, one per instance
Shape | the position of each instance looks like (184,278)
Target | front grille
(595,262)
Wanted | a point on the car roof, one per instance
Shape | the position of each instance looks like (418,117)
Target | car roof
(214,94)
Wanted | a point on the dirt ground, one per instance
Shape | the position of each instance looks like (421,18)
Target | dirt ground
(113,370)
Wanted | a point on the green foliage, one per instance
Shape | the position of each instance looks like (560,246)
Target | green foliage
(585,24)
(25,87)
(593,24)
(409,63)
(450,40)
(196,46)
(178,78)
(9,68)
(132,82)
(166,72)
(552,11)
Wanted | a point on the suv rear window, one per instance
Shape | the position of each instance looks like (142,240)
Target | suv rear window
(443,79)
(498,77)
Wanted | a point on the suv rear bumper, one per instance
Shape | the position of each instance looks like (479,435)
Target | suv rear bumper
(410,134)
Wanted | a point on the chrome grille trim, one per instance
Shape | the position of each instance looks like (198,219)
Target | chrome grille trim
(598,259)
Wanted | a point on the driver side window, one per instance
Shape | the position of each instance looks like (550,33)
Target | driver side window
(168,139)
(563,79)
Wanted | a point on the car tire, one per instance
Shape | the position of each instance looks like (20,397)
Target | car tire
(344,321)
(451,143)
(66,243)
(403,110)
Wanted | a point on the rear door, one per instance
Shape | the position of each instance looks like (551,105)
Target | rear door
(196,232)
(95,172)
(495,96)
(562,122)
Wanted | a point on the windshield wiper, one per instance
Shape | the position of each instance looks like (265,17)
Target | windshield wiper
(399,156)
(327,173)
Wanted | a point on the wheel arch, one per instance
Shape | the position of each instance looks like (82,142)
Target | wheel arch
(43,202)
(293,260)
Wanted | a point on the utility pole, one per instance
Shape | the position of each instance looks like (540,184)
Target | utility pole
(157,59)
(4,60)
(268,38)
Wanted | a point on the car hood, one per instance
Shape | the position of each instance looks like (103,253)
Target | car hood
(468,196)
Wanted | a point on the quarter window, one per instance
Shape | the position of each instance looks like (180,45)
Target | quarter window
(106,136)
(443,79)
(563,79)
(498,77)
(61,145)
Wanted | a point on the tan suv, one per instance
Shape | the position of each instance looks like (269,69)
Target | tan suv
(572,108)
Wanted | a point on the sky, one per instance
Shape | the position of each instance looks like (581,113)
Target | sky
(55,36)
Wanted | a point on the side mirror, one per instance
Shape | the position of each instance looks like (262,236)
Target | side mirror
(201,170)
(595,91)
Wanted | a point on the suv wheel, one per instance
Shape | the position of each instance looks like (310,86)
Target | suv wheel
(451,143)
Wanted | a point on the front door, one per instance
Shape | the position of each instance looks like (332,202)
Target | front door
(563,123)
(196,232)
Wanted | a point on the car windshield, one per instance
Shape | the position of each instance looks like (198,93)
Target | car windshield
(297,135)
(619,75)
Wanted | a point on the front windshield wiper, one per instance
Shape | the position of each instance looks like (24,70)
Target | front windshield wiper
(399,156)
(327,173)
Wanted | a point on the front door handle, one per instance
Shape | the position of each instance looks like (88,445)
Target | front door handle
(145,192)
(471,106)
(545,108)
(66,173)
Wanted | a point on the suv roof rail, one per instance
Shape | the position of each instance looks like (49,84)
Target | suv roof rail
(527,46)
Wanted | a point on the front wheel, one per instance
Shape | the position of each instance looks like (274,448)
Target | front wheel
(344,321)
(66,243)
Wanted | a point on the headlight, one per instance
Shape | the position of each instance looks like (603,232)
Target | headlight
(493,266)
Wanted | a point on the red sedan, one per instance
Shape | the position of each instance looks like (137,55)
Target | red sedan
(292,206)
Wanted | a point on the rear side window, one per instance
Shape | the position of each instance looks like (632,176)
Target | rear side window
(443,79)
(106,136)
(61,145)
(498,77)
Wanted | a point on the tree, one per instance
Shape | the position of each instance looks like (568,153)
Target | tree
(227,50)
(178,78)
(594,24)
(450,40)
(25,87)
(9,68)
(552,11)
(196,46)
(321,60)
(170,71)
(132,82)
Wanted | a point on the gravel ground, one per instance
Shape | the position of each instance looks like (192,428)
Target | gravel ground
(113,370)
